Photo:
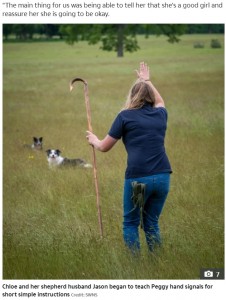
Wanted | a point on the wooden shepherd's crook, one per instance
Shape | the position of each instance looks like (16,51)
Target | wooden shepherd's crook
(88,113)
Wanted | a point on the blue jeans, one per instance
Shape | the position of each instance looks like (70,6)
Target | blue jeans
(156,191)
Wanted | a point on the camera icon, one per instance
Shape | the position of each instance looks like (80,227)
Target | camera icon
(208,274)
(212,273)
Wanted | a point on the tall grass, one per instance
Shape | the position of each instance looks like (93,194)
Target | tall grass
(50,222)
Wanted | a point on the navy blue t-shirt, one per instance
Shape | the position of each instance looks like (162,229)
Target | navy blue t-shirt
(143,131)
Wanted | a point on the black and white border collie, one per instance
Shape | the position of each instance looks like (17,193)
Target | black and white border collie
(55,159)
(37,143)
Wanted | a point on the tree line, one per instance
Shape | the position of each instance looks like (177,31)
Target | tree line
(113,37)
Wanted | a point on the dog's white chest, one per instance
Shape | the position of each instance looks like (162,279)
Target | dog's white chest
(55,161)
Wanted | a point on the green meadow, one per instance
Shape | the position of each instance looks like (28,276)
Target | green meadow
(50,223)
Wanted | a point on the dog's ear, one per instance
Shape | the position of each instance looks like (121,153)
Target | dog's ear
(48,151)
(40,139)
(58,152)
(35,139)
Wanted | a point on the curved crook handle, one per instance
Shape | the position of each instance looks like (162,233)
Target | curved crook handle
(88,112)
(77,79)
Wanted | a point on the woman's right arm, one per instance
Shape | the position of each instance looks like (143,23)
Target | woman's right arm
(144,74)
(159,102)
(102,145)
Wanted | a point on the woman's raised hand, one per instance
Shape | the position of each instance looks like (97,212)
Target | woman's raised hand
(143,73)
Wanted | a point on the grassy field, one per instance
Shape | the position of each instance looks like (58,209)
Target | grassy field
(50,226)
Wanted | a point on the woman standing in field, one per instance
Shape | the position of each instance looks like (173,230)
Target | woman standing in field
(141,125)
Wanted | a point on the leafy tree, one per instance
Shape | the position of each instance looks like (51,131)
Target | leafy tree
(49,30)
(24,31)
(27,31)
(118,37)
(172,31)
(7,30)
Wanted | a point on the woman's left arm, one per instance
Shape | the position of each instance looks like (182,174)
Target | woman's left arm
(102,145)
